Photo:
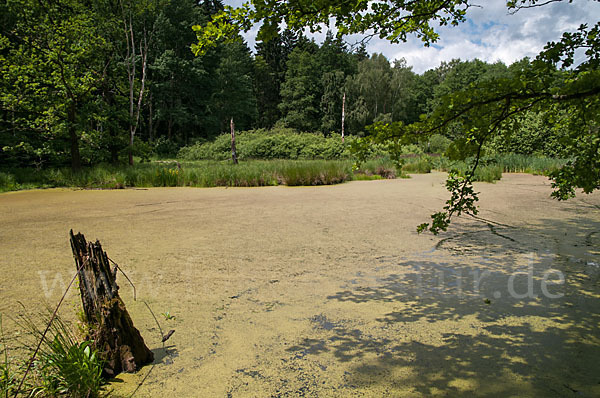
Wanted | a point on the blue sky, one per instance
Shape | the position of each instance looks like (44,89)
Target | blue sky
(490,33)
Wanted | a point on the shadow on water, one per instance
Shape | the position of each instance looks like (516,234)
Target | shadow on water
(498,332)
(165,354)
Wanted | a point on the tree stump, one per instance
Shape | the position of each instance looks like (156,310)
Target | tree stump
(118,342)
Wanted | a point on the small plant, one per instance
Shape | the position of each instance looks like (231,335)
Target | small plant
(73,368)
(168,316)
(65,366)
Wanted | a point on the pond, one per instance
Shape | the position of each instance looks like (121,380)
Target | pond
(329,291)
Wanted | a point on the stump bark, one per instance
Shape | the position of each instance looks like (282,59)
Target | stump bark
(119,343)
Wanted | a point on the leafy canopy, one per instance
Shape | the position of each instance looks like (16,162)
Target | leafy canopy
(392,20)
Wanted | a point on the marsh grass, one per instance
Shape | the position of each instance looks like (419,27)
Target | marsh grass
(365,177)
(8,375)
(381,167)
(417,165)
(256,173)
(64,365)
(515,163)
(491,168)
(317,172)
(191,174)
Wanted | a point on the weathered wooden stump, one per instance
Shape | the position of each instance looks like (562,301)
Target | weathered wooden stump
(119,343)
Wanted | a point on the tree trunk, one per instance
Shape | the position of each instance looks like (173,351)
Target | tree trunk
(119,343)
(233,150)
(343,114)
(150,119)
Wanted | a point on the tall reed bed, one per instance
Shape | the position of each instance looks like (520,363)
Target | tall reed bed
(490,168)
(191,174)
(255,173)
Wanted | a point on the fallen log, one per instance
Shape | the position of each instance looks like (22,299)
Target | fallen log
(118,342)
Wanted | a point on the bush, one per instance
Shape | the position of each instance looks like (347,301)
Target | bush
(265,145)
(142,149)
(437,143)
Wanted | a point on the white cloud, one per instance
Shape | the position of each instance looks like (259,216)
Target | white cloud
(490,34)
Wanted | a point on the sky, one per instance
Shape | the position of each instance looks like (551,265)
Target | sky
(489,34)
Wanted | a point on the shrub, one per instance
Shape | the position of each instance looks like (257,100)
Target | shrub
(437,143)
(274,144)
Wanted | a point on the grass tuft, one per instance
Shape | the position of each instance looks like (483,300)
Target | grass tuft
(64,366)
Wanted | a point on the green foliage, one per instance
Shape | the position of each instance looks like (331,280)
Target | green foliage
(168,316)
(64,365)
(391,20)
(274,144)
(517,163)
(52,62)
(192,174)
(164,148)
(531,133)
(270,67)
(358,176)
(394,137)
(300,92)
(462,200)
(166,177)
(437,143)
(233,97)
(71,368)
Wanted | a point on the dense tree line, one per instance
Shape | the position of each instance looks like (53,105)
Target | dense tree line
(93,81)
(86,82)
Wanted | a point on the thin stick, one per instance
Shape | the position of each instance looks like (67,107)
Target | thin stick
(163,346)
(48,327)
(162,336)
(125,275)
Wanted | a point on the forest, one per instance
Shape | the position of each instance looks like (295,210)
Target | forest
(95,82)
